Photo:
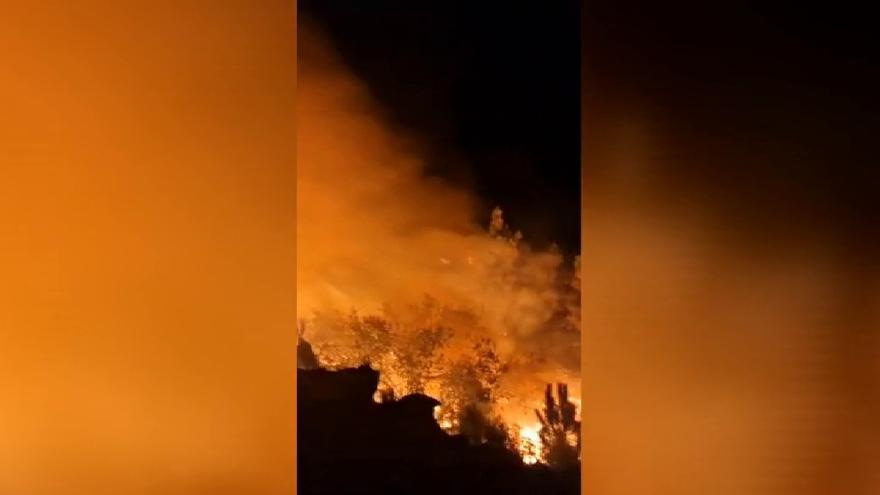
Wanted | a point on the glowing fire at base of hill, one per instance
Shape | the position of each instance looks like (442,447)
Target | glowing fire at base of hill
(527,437)
(530,443)
(488,379)
(485,396)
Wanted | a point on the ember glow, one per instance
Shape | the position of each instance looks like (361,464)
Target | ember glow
(393,269)
(530,443)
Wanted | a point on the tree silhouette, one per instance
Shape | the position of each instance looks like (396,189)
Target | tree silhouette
(560,430)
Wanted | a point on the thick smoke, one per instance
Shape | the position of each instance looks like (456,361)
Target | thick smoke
(377,236)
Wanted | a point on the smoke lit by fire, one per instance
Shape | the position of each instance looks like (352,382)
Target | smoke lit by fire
(391,263)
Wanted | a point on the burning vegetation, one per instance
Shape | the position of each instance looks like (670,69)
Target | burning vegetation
(445,352)
(348,443)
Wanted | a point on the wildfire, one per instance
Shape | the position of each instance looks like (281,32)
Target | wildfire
(530,443)
(502,319)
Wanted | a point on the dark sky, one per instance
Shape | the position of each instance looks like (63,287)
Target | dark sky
(493,88)
(763,122)
(767,115)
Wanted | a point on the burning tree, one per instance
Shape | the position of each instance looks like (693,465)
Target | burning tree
(499,229)
(478,425)
(413,356)
(469,389)
(372,335)
(448,349)
(409,353)
(560,430)
(419,358)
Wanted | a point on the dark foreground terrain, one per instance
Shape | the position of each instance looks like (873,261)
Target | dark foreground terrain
(349,444)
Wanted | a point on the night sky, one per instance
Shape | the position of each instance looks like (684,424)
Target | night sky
(493,91)
(765,115)
(763,124)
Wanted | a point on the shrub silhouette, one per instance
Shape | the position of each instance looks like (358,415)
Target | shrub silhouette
(560,431)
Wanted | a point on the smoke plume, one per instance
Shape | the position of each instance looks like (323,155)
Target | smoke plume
(377,236)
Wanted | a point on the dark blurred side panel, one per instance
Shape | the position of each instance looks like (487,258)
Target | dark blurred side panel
(731,247)
(147,247)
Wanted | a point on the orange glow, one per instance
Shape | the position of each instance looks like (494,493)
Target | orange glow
(709,345)
(146,247)
(376,236)
(530,443)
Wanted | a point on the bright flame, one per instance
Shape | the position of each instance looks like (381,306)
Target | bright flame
(530,443)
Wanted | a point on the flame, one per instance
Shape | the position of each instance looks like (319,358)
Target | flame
(530,443)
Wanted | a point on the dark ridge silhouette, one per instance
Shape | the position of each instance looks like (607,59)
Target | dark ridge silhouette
(305,356)
(350,444)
